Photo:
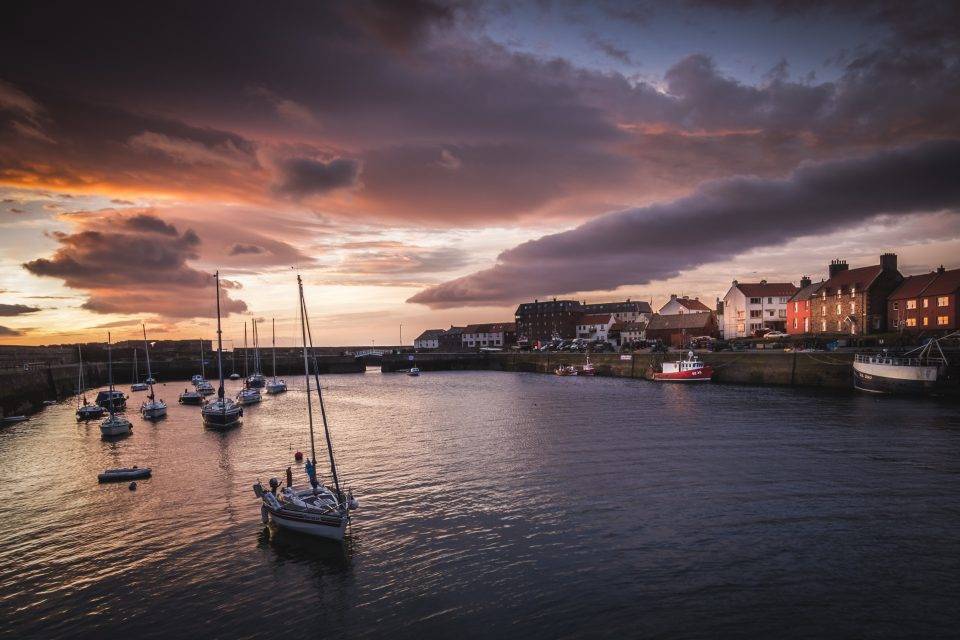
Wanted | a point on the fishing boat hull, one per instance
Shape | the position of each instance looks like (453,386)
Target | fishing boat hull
(587,371)
(115,426)
(309,524)
(217,418)
(892,379)
(123,475)
(702,374)
(153,410)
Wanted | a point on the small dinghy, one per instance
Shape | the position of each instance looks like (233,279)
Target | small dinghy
(13,419)
(124,474)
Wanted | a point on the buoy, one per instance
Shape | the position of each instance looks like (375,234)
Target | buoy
(298,456)
(133,486)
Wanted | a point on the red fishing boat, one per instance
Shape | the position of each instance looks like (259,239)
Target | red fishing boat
(690,370)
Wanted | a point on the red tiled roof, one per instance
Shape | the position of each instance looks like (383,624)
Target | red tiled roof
(761,289)
(628,326)
(861,278)
(913,286)
(598,318)
(946,283)
(693,305)
(697,320)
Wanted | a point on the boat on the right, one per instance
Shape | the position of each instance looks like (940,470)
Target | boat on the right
(693,369)
(918,372)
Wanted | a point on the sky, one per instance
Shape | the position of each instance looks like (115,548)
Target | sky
(423,164)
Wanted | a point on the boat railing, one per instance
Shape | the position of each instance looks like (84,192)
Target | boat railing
(899,362)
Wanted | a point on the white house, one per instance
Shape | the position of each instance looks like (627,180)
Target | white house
(595,326)
(682,304)
(494,334)
(429,339)
(626,311)
(751,306)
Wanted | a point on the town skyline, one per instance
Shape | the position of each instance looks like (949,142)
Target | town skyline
(436,164)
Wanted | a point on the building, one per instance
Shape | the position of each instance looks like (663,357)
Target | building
(451,339)
(595,326)
(854,301)
(682,304)
(496,334)
(798,307)
(626,311)
(677,330)
(719,315)
(624,334)
(429,339)
(927,302)
(542,321)
(749,307)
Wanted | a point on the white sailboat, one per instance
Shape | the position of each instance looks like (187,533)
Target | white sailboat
(315,510)
(204,388)
(257,379)
(275,386)
(151,409)
(222,413)
(247,395)
(137,385)
(114,424)
(85,410)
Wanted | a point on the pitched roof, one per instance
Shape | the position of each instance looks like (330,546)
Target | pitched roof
(431,334)
(696,320)
(491,327)
(638,306)
(629,325)
(947,282)
(596,318)
(761,289)
(693,304)
(807,292)
(935,283)
(861,278)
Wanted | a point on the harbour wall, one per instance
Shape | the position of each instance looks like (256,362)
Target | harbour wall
(24,391)
(821,369)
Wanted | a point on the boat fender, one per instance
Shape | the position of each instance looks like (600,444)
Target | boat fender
(271,501)
(353,503)
(298,456)
(133,486)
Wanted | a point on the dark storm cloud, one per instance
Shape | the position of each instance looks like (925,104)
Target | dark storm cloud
(301,177)
(9,310)
(719,220)
(400,24)
(238,249)
(7,332)
(126,266)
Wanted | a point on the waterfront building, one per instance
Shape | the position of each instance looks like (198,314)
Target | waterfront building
(927,302)
(540,321)
(595,326)
(429,339)
(676,330)
(495,334)
(719,314)
(623,334)
(749,307)
(626,311)
(799,316)
(682,304)
(854,301)
(451,339)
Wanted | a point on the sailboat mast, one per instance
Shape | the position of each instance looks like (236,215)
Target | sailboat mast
(273,340)
(79,375)
(136,370)
(323,409)
(110,371)
(246,369)
(219,341)
(203,371)
(306,370)
(146,349)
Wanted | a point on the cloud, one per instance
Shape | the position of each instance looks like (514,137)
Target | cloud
(188,151)
(720,219)
(301,177)
(8,310)
(134,264)
(237,249)
(399,25)
(8,332)
(609,48)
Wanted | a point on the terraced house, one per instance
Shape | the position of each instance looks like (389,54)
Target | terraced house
(928,302)
(854,301)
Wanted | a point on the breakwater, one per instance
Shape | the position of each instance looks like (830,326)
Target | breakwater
(23,391)
(827,370)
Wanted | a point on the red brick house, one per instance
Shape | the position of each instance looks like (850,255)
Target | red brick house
(854,301)
(927,302)
(798,307)
(677,330)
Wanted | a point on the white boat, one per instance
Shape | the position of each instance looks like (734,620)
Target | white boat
(414,371)
(917,372)
(222,413)
(113,425)
(234,376)
(151,409)
(275,386)
(690,370)
(249,396)
(137,386)
(204,388)
(256,380)
(197,378)
(124,474)
(568,370)
(85,410)
(315,510)
(587,368)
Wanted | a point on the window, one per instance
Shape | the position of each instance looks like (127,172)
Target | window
(911,322)
(770,312)
(839,309)
(754,300)
(896,306)
(769,300)
(823,325)
(839,326)
(808,304)
(926,321)
(853,307)
(943,320)
(794,323)
(943,301)
(853,291)
(796,307)
(755,313)
(926,303)
(823,311)
(911,304)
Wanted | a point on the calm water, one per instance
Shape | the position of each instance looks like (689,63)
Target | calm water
(497,505)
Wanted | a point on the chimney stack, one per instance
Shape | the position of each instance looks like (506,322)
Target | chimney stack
(940,269)
(763,282)
(838,265)
(673,296)
(888,261)
(805,281)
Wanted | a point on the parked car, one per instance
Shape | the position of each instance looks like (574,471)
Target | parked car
(770,335)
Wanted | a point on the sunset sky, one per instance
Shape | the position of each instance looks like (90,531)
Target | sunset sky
(432,163)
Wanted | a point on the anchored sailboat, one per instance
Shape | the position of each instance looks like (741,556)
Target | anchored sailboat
(137,385)
(151,409)
(257,380)
(249,394)
(275,386)
(113,425)
(85,410)
(203,385)
(222,413)
(316,510)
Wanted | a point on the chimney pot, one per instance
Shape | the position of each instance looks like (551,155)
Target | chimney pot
(673,296)
(888,261)
(940,269)
(836,266)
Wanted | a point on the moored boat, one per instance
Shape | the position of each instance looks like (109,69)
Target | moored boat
(276,385)
(917,372)
(565,370)
(190,396)
(137,385)
(85,410)
(151,408)
(113,425)
(690,370)
(112,397)
(414,371)
(223,413)
(124,474)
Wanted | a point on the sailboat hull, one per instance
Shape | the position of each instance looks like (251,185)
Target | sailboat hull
(330,529)
(153,411)
(222,419)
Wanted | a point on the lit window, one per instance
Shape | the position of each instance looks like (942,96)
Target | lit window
(943,320)
(823,325)
(911,322)
(853,291)
(853,307)
(896,306)
(911,304)
(926,321)
(823,311)
(943,301)
(796,306)
(926,302)
(839,310)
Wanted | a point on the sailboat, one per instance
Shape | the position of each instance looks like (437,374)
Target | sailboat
(257,380)
(85,410)
(275,386)
(113,425)
(315,510)
(233,363)
(203,385)
(137,386)
(222,413)
(151,409)
(247,395)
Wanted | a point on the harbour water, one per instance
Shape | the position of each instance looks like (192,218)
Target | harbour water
(497,505)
